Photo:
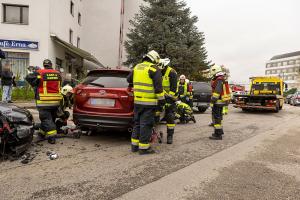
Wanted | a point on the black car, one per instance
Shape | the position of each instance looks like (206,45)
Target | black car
(202,95)
(16,129)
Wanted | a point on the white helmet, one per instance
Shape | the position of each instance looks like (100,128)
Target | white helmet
(164,62)
(153,56)
(182,77)
(215,69)
(67,89)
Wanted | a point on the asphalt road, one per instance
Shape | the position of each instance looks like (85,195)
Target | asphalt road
(258,159)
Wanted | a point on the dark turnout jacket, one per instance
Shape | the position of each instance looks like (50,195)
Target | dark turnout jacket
(7,78)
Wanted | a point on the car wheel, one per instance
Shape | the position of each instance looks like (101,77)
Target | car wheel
(202,109)
(245,109)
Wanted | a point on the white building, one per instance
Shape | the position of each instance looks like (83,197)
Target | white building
(71,33)
(286,66)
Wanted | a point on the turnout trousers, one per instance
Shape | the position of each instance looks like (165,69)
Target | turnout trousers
(170,118)
(144,119)
(47,117)
(217,117)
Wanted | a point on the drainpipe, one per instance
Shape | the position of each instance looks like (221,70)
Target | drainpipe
(120,58)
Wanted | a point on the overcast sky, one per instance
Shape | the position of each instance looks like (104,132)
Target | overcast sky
(244,34)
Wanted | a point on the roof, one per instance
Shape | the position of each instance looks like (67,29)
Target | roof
(122,70)
(84,54)
(286,55)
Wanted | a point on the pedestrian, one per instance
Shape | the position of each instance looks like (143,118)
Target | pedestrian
(220,98)
(185,92)
(47,86)
(170,89)
(146,80)
(7,82)
(2,56)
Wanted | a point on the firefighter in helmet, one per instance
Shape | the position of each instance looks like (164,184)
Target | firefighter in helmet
(220,98)
(185,92)
(146,80)
(47,87)
(170,89)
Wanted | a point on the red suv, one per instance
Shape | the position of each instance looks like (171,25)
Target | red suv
(104,101)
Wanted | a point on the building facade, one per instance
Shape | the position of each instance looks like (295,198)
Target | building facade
(286,66)
(73,34)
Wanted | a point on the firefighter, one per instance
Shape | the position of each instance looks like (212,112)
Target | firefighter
(220,98)
(170,89)
(146,79)
(47,86)
(185,92)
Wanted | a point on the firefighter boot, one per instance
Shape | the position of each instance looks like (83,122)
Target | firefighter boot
(146,151)
(134,148)
(217,135)
(169,138)
(51,140)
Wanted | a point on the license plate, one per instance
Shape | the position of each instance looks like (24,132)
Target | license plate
(102,102)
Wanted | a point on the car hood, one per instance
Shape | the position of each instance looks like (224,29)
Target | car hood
(16,114)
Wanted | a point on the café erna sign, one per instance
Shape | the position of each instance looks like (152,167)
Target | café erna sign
(19,44)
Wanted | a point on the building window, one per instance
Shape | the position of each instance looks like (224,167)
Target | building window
(280,64)
(15,14)
(72,8)
(71,36)
(285,63)
(292,62)
(19,63)
(79,19)
(78,42)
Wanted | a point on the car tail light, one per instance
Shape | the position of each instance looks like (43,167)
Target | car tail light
(298,97)
(130,92)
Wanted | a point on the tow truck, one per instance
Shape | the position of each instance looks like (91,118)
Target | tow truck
(266,93)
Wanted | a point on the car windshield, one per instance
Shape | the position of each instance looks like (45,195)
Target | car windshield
(107,79)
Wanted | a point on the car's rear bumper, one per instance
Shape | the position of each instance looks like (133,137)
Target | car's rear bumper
(201,104)
(102,122)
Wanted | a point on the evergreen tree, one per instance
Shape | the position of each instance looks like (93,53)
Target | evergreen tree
(168,27)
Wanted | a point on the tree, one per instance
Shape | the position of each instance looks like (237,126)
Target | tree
(168,27)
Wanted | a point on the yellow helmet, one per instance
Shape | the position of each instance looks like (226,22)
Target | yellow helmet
(67,89)
(215,69)
(153,56)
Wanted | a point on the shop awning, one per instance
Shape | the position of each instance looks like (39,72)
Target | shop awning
(84,54)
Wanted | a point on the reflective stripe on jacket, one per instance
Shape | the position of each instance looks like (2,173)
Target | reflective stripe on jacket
(167,83)
(49,88)
(143,86)
(220,93)
(183,89)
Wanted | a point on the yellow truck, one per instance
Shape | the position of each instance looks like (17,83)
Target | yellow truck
(266,93)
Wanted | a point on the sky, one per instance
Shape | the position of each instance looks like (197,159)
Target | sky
(244,34)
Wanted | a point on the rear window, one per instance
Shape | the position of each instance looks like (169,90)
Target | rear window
(201,87)
(107,79)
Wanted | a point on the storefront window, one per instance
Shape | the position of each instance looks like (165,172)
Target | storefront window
(19,63)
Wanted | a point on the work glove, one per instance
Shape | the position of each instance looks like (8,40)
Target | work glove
(211,105)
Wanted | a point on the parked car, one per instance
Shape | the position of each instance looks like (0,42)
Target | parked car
(295,100)
(233,97)
(287,99)
(104,101)
(202,95)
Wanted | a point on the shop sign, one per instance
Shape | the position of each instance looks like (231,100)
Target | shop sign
(19,44)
